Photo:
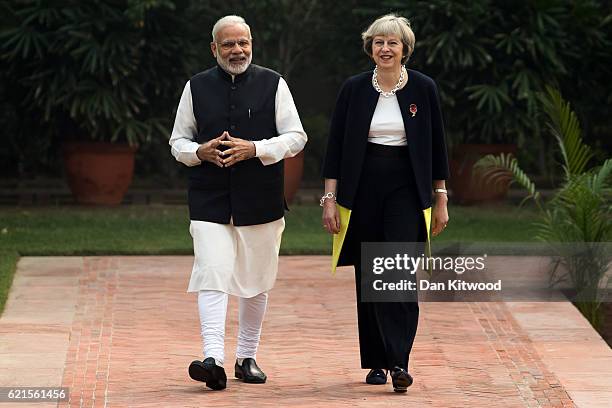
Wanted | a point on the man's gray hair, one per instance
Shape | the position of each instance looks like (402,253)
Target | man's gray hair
(229,20)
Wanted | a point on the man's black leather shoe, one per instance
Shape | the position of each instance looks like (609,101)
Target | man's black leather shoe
(401,379)
(376,376)
(249,372)
(210,373)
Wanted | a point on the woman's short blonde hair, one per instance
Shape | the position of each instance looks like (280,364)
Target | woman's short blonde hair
(390,24)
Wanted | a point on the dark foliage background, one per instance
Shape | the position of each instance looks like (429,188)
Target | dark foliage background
(114,70)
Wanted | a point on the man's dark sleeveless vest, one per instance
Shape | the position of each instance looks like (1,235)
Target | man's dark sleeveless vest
(248,191)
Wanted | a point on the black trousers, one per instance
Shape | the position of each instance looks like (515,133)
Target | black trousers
(386,209)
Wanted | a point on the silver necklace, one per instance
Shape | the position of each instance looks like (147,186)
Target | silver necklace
(392,91)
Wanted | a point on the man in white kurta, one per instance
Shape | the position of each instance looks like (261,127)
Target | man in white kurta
(230,259)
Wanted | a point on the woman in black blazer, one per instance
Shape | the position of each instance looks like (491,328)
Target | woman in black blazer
(385,154)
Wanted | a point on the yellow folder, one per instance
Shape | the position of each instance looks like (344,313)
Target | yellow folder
(345,216)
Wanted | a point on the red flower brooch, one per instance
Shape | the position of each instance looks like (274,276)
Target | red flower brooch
(413,109)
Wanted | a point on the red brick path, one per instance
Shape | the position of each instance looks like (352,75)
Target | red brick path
(121,331)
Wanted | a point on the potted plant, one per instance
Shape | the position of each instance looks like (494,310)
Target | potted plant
(577,219)
(466,187)
(99,76)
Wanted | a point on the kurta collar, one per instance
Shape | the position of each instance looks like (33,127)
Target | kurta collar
(237,78)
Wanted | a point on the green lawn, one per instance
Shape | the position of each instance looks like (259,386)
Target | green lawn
(163,230)
(8,261)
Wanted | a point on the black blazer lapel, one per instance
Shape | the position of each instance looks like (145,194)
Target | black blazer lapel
(407,97)
(368,99)
(415,114)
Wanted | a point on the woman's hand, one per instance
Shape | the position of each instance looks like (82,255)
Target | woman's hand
(331,218)
(439,217)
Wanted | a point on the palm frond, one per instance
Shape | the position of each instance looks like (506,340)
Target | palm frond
(564,125)
(505,169)
(601,179)
(581,213)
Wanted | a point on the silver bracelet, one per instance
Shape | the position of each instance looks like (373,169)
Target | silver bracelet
(440,190)
(329,195)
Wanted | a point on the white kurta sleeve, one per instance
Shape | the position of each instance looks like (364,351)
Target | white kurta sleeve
(291,136)
(183,146)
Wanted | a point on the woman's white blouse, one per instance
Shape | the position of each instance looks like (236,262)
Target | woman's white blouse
(387,126)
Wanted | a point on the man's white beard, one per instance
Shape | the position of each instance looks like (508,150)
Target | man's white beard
(234,69)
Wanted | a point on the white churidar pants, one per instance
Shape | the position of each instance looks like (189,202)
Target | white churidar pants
(231,260)
(212,306)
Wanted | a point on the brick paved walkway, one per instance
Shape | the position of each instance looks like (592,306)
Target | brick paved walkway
(120,331)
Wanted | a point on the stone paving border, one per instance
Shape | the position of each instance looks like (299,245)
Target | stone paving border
(120,331)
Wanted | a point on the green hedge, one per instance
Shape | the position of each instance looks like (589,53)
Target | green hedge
(116,69)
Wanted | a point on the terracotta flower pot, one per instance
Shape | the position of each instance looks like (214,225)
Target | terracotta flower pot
(466,190)
(294,169)
(97,172)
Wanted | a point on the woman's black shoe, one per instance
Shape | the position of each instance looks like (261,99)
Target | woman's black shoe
(401,379)
(249,372)
(209,372)
(376,376)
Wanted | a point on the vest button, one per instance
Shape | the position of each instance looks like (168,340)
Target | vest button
(232,127)
(232,106)
(233,87)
